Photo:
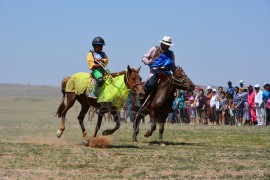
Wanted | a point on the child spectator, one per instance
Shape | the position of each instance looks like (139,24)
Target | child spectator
(223,105)
(192,111)
(230,108)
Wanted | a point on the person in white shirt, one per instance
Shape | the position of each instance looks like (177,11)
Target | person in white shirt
(214,105)
(259,105)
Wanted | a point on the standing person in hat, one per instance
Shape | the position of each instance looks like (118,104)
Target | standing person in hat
(97,60)
(160,60)
(241,84)
(259,105)
(266,94)
(230,90)
(251,104)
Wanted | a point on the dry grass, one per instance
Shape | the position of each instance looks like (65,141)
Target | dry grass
(29,148)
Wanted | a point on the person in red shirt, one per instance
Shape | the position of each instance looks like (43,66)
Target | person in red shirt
(251,98)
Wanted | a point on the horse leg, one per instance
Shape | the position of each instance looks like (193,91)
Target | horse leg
(117,125)
(98,125)
(153,123)
(136,127)
(84,109)
(161,130)
(71,98)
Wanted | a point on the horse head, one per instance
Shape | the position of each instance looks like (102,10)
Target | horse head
(134,82)
(181,80)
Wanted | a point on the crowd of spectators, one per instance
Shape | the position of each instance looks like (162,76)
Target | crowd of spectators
(234,105)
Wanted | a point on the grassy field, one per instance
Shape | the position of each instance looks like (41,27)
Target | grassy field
(29,148)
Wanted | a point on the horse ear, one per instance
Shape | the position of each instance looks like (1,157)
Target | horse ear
(138,70)
(129,69)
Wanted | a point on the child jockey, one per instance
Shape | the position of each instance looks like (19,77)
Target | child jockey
(97,60)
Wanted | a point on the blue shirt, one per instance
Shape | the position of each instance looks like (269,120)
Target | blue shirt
(164,60)
(265,96)
(230,90)
(181,101)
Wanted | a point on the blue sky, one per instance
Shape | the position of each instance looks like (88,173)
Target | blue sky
(215,41)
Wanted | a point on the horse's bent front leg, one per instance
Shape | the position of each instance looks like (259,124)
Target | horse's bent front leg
(152,128)
(117,125)
(71,98)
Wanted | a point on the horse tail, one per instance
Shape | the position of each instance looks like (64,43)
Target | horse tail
(62,105)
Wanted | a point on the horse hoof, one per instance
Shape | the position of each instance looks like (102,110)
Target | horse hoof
(147,134)
(59,133)
(162,144)
(85,142)
(106,133)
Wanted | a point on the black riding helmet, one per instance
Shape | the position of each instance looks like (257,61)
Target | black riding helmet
(98,41)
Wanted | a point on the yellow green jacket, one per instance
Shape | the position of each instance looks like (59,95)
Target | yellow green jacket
(91,62)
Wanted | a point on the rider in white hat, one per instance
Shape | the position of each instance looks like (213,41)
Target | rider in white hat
(160,60)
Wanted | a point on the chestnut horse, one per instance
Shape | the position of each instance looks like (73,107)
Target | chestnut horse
(159,103)
(132,82)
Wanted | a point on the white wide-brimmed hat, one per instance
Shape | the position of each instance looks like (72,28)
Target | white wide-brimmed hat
(257,86)
(167,41)
(209,87)
(241,82)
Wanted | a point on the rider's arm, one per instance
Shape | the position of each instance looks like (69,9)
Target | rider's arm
(105,59)
(173,67)
(90,61)
(146,59)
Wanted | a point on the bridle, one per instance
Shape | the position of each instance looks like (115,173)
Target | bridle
(180,82)
(129,84)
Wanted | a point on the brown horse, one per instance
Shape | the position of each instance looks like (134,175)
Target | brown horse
(160,101)
(132,82)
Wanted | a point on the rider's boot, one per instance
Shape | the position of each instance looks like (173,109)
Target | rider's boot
(94,91)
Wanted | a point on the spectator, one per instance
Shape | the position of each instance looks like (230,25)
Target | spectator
(220,90)
(268,108)
(241,83)
(201,108)
(213,105)
(181,106)
(251,105)
(208,98)
(244,96)
(238,106)
(189,94)
(192,111)
(265,95)
(223,107)
(259,105)
(173,116)
(230,108)
(230,90)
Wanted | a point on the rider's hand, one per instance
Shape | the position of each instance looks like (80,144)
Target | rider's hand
(97,65)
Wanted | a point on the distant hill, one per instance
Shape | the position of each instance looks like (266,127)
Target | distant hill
(20,90)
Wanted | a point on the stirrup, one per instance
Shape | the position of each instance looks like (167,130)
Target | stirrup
(91,95)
